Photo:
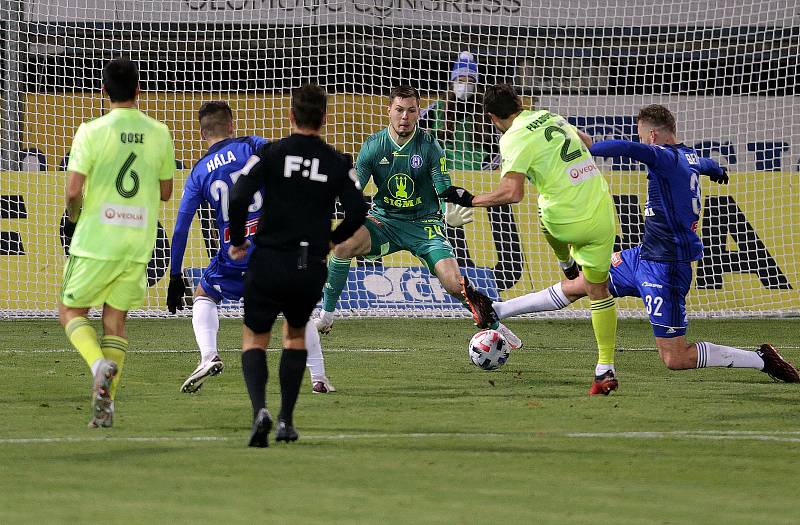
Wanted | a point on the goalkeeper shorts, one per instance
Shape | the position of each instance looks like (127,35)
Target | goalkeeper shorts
(424,238)
(589,242)
(93,282)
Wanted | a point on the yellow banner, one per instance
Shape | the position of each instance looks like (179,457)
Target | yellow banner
(751,230)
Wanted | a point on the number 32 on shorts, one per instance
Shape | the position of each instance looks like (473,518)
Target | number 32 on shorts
(652,305)
(433,231)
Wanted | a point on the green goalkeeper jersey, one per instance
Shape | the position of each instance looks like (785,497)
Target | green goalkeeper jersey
(549,151)
(408,177)
(123,154)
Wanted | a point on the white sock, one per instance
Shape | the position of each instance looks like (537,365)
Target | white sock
(326,316)
(205,322)
(602,369)
(314,361)
(96,366)
(709,354)
(546,300)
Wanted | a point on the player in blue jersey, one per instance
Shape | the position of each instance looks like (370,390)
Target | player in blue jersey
(660,269)
(210,181)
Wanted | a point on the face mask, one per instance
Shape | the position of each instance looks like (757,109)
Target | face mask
(463,90)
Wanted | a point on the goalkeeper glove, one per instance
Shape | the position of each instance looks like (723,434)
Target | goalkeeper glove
(458,196)
(455,215)
(176,292)
(721,177)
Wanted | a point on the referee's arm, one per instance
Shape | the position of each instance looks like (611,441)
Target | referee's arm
(241,196)
(355,209)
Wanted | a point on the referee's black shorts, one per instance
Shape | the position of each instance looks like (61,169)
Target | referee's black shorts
(275,285)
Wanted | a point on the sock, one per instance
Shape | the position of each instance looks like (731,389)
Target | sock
(205,322)
(84,338)
(546,300)
(315,362)
(338,269)
(709,354)
(254,369)
(114,349)
(293,362)
(602,369)
(604,323)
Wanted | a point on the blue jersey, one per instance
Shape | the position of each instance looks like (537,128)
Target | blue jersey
(673,203)
(211,180)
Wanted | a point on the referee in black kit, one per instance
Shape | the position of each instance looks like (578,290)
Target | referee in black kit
(302,176)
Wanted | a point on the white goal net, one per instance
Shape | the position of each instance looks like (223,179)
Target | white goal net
(727,69)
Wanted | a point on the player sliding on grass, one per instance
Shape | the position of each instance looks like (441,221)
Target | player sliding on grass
(575,208)
(409,170)
(659,270)
(120,166)
(211,180)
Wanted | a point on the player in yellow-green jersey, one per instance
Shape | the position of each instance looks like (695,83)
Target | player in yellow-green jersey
(575,208)
(409,169)
(120,167)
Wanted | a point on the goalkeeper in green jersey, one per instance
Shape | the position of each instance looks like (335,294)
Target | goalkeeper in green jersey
(120,167)
(409,170)
(575,208)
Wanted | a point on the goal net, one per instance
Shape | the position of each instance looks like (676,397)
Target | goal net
(727,69)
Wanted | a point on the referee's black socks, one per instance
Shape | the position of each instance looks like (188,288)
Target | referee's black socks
(254,368)
(293,366)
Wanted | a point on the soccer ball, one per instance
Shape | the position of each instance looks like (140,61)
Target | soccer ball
(488,350)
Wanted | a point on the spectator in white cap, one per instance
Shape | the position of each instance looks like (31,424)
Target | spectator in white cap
(458,121)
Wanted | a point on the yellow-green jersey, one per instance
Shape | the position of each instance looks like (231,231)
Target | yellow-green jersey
(124,156)
(549,151)
(408,177)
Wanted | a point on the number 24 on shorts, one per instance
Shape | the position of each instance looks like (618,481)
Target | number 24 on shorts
(433,231)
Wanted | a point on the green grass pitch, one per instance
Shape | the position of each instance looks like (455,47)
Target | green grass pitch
(416,434)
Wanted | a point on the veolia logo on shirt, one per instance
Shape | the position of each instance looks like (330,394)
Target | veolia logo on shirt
(581,171)
(119,215)
(401,188)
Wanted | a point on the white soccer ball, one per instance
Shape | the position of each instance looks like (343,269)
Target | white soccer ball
(488,350)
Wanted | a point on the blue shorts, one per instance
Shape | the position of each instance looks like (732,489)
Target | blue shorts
(663,287)
(223,281)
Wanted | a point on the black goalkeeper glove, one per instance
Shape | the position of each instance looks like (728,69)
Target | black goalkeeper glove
(721,177)
(458,196)
(176,292)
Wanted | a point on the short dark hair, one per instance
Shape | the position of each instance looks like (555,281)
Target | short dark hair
(309,105)
(215,118)
(120,79)
(658,116)
(403,92)
(501,100)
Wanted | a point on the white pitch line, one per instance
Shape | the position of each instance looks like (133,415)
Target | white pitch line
(789,436)
(784,437)
(182,351)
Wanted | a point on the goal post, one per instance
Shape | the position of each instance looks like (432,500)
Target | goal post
(728,71)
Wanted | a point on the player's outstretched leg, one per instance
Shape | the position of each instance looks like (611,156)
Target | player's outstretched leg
(775,366)
(102,405)
(205,322)
(315,362)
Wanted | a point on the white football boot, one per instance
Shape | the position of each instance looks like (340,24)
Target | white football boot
(204,370)
(324,322)
(510,337)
